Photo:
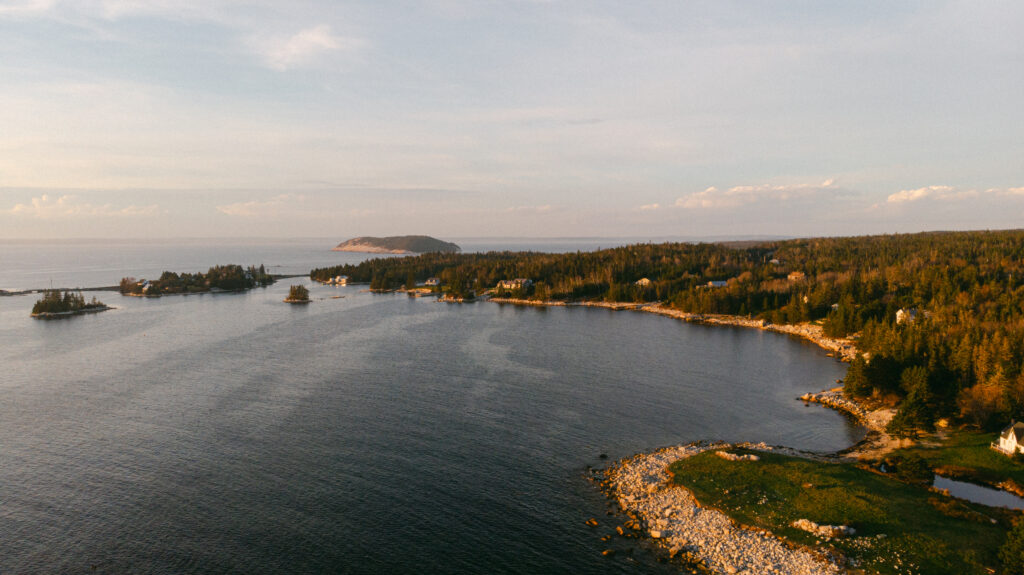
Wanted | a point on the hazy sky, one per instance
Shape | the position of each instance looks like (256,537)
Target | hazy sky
(132,118)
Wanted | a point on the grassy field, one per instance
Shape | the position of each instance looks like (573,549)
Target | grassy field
(901,528)
(966,455)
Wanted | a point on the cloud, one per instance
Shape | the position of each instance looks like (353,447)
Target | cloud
(949,193)
(737,196)
(531,209)
(938,192)
(25,7)
(285,53)
(262,208)
(67,207)
(650,207)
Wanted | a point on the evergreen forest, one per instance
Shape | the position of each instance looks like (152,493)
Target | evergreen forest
(227,277)
(54,301)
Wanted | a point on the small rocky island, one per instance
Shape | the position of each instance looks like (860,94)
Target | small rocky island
(397,245)
(55,304)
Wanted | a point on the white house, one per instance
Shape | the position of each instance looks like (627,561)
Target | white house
(643,282)
(432,282)
(518,283)
(905,315)
(1011,440)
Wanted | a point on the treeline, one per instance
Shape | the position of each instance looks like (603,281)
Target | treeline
(958,353)
(229,278)
(53,301)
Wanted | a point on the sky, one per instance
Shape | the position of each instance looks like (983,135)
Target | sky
(515,118)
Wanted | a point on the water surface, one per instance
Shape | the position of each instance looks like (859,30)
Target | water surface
(234,433)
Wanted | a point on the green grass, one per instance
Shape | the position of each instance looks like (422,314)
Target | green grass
(966,455)
(919,536)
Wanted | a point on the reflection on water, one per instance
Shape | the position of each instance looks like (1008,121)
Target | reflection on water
(979,494)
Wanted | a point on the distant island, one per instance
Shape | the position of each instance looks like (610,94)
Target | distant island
(54,304)
(397,245)
(218,278)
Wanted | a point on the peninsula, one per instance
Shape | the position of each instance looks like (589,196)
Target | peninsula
(396,245)
(218,278)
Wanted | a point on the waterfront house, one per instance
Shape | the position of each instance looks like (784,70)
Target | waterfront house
(1011,440)
(432,282)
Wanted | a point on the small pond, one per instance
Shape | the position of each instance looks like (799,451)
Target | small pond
(979,494)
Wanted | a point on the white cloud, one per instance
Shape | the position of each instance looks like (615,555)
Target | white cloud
(650,207)
(67,207)
(284,53)
(262,208)
(920,194)
(25,7)
(949,193)
(531,209)
(742,195)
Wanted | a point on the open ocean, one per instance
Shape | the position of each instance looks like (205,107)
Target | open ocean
(233,433)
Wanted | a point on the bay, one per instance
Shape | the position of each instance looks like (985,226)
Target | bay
(365,433)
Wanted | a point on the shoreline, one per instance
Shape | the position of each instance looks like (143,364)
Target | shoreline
(675,521)
(843,349)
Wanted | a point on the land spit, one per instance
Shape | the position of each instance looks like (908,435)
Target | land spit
(677,523)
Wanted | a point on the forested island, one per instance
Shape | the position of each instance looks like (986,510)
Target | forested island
(218,278)
(397,245)
(55,304)
(297,294)
(938,317)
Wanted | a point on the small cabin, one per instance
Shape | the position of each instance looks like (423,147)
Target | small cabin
(796,276)
(1011,440)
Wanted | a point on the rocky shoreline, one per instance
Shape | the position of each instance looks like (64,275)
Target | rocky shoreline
(844,349)
(877,442)
(677,523)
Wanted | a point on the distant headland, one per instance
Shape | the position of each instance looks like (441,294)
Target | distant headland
(397,245)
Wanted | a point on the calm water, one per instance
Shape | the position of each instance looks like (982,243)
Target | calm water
(96,263)
(234,433)
(979,493)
